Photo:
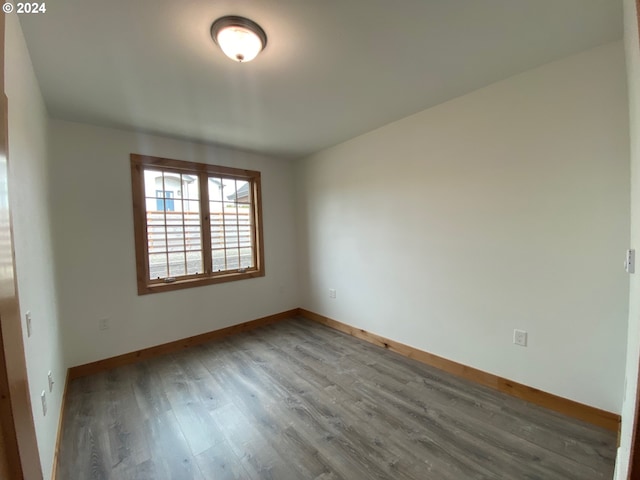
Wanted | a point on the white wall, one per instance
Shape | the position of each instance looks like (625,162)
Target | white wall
(505,208)
(633,336)
(94,246)
(28,168)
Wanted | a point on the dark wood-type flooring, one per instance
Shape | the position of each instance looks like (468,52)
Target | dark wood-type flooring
(297,400)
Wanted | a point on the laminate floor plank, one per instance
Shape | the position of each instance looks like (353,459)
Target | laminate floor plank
(318,429)
(470,421)
(297,400)
(192,415)
(142,471)
(443,462)
(255,395)
(256,453)
(87,445)
(261,433)
(257,386)
(469,429)
(542,430)
(128,445)
(357,426)
(152,399)
(209,393)
(171,455)
(335,437)
(221,463)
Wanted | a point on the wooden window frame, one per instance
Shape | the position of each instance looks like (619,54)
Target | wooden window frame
(203,171)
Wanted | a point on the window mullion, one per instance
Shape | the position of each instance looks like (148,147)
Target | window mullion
(205,221)
(139,205)
(237,226)
(184,225)
(166,226)
(253,222)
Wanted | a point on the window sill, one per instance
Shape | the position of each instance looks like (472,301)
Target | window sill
(145,288)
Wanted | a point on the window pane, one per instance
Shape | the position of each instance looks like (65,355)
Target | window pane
(233,260)
(215,189)
(246,257)
(230,216)
(230,237)
(192,207)
(176,264)
(216,217)
(155,218)
(194,263)
(172,185)
(151,182)
(243,192)
(174,218)
(244,215)
(228,190)
(245,236)
(190,187)
(217,237)
(192,226)
(156,242)
(215,209)
(175,239)
(163,202)
(156,233)
(173,223)
(218,260)
(193,239)
(157,266)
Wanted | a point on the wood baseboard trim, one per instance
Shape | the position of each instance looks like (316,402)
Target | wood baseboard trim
(56,450)
(596,416)
(172,347)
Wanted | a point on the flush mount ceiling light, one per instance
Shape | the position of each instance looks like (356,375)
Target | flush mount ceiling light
(239,38)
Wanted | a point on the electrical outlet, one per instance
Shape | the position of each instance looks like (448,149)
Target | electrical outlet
(103,324)
(43,398)
(51,382)
(520,337)
(28,321)
(332,293)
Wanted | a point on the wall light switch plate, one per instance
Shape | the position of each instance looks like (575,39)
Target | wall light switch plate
(51,382)
(28,321)
(103,324)
(332,293)
(43,398)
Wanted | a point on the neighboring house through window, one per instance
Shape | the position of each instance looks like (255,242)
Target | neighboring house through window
(164,201)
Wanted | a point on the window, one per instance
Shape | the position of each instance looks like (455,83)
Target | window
(195,224)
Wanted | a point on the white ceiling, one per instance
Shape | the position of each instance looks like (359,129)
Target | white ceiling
(332,69)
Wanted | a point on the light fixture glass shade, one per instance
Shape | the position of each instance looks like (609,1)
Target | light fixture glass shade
(239,44)
(239,38)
